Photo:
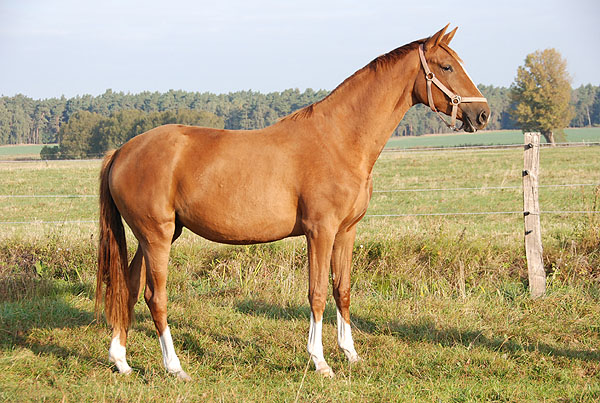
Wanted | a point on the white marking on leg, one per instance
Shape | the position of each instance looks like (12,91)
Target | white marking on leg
(315,346)
(344,337)
(116,355)
(170,359)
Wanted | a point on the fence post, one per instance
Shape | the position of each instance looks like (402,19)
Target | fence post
(531,212)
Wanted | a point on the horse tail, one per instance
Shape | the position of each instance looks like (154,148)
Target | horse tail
(112,255)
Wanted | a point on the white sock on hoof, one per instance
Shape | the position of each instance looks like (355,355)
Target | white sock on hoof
(315,346)
(345,341)
(116,355)
(170,359)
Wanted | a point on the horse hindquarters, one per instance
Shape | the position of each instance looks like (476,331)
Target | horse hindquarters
(124,283)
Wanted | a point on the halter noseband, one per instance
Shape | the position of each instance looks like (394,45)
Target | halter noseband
(455,99)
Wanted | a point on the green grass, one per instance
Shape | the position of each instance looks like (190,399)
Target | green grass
(23,151)
(502,137)
(440,306)
(240,318)
(393,171)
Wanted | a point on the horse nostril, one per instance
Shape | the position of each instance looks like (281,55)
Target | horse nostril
(482,118)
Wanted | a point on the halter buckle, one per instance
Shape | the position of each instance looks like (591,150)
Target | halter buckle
(456,100)
(429,76)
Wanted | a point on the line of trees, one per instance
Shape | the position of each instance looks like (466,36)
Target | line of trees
(24,120)
(89,134)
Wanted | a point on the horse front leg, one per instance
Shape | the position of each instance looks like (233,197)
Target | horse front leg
(319,245)
(341,264)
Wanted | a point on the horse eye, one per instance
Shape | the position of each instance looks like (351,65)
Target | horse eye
(447,68)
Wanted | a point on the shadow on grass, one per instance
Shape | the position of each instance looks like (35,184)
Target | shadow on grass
(255,307)
(421,332)
(22,315)
(428,332)
(30,287)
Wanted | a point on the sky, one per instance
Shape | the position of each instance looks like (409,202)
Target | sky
(50,48)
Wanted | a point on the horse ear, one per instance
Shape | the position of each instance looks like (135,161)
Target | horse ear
(448,37)
(435,39)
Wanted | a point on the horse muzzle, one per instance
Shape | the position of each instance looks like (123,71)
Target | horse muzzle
(475,117)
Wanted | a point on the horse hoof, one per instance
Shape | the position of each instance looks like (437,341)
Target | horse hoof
(122,366)
(182,375)
(351,355)
(326,372)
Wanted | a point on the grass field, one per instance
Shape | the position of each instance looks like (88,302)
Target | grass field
(24,151)
(440,307)
(503,137)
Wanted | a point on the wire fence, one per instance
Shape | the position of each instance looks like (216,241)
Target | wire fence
(488,147)
(476,213)
(483,188)
(378,191)
(51,196)
(480,188)
(469,213)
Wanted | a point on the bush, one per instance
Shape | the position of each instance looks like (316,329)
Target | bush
(50,153)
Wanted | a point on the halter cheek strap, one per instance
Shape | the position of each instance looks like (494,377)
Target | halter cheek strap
(455,99)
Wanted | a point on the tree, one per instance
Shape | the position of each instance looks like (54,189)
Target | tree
(500,104)
(541,93)
(583,99)
(113,131)
(74,137)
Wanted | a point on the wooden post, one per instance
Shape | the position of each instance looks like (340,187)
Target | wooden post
(531,212)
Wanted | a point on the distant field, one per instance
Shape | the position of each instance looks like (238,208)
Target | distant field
(486,138)
(22,151)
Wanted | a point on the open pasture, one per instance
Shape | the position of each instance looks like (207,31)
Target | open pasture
(19,152)
(487,137)
(440,307)
(405,183)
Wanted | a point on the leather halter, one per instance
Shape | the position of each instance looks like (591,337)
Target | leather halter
(455,99)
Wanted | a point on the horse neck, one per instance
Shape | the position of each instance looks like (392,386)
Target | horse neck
(364,110)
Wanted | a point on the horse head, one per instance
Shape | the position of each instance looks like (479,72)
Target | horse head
(446,87)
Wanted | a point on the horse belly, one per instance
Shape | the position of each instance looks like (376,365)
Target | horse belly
(250,220)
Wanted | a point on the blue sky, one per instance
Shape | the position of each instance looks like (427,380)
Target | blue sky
(53,47)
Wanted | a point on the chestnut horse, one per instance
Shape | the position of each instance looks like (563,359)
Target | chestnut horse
(308,174)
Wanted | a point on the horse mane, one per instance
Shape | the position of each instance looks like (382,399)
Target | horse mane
(388,59)
(378,64)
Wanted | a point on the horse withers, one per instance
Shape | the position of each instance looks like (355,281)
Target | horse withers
(309,174)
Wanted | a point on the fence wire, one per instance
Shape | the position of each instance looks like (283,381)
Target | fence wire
(470,213)
(482,213)
(58,196)
(486,147)
(379,191)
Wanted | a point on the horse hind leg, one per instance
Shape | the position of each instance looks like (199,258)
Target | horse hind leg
(135,281)
(156,256)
